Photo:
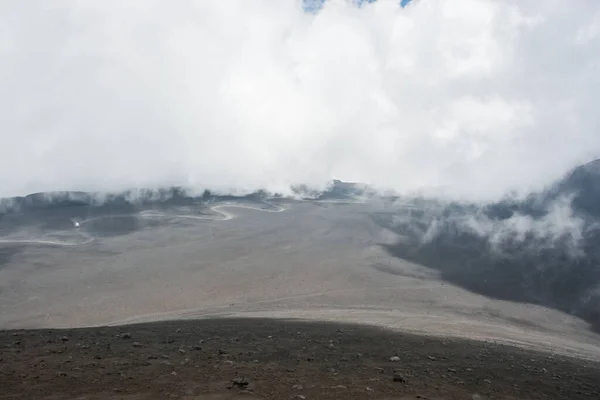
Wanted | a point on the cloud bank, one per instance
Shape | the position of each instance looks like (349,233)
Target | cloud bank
(468,99)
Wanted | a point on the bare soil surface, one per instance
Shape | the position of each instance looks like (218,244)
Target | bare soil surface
(278,359)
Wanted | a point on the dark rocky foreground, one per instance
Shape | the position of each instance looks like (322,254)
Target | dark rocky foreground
(277,359)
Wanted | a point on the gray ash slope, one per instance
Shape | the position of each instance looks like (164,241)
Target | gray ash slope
(524,270)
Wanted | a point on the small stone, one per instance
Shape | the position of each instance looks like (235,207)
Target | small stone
(488,381)
(136,344)
(197,347)
(221,351)
(64,339)
(240,382)
(398,377)
(451,370)
(432,358)
(395,358)
(339,387)
(174,373)
(151,357)
(297,387)
(181,351)
(299,397)
(178,330)
(62,374)
(331,346)
(125,335)
(368,389)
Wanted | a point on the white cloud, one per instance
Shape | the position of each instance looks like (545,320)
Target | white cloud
(469,98)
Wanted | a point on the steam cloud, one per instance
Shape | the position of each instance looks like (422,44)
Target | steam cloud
(468,99)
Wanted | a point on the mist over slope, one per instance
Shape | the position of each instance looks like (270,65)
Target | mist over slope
(543,250)
(468,100)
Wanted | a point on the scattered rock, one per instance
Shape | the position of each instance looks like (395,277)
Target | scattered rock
(136,344)
(174,373)
(331,346)
(178,330)
(197,347)
(240,382)
(181,351)
(399,377)
(339,387)
(125,335)
(395,358)
(432,358)
(368,389)
(221,352)
(488,381)
(64,339)
(297,387)
(299,397)
(61,374)
(451,370)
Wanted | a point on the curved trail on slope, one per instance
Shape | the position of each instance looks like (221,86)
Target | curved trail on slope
(218,209)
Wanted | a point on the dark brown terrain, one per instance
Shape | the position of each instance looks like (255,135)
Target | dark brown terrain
(278,359)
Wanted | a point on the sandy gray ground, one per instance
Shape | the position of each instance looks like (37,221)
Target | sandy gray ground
(313,261)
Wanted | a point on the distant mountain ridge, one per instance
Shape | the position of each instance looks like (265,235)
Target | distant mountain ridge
(168,196)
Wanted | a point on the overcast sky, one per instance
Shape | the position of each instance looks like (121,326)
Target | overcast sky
(469,98)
